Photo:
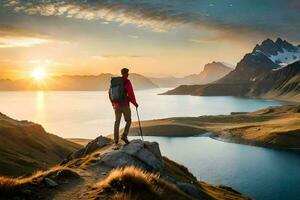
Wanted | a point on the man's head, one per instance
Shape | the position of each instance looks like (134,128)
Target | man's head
(125,72)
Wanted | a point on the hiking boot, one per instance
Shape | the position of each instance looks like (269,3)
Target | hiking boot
(116,147)
(125,139)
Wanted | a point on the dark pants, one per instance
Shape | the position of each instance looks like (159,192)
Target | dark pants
(125,110)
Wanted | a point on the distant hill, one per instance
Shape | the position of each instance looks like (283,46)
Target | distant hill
(256,75)
(211,72)
(75,83)
(26,147)
(167,82)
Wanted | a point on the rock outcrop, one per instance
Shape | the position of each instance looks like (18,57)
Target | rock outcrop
(91,147)
(100,171)
(142,155)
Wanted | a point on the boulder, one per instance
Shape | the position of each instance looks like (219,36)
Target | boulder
(91,147)
(144,155)
(154,148)
(117,159)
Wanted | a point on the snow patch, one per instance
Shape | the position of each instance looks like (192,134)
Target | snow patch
(285,58)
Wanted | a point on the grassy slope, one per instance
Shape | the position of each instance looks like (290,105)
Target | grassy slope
(26,147)
(287,91)
(275,126)
(99,182)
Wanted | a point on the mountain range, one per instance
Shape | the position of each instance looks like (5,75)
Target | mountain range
(74,83)
(258,74)
(210,73)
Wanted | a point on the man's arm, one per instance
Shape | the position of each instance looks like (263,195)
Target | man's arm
(130,93)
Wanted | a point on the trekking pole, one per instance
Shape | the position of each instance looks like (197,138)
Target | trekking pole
(141,132)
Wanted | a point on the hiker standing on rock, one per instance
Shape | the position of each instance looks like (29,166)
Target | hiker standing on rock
(120,94)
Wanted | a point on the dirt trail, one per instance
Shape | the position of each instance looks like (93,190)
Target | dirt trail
(77,189)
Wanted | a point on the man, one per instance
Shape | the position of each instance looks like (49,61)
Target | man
(121,107)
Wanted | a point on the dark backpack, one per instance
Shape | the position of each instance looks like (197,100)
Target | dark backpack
(117,91)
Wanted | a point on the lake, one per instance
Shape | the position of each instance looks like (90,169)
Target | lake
(257,172)
(89,114)
(260,173)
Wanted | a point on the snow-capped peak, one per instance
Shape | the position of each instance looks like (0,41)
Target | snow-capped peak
(280,52)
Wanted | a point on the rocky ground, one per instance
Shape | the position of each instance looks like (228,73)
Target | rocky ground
(98,171)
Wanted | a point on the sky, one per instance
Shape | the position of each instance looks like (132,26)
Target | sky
(150,37)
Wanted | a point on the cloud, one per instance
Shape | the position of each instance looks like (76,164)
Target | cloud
(104,57)
(11,37)
(230,18)
(199,41)
(133,36)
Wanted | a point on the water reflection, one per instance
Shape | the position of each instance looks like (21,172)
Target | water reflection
(88,114)
(39,105)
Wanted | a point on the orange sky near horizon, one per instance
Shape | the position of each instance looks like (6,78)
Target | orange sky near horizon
(153,38)
(153,60)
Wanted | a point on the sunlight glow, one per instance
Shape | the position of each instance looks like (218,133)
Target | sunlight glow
(39,74)
(12,42)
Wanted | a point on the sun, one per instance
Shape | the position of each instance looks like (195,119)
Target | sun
(39,74)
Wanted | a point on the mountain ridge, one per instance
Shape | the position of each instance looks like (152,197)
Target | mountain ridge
(280,52)
(210,73)
(254,76)
(99,82)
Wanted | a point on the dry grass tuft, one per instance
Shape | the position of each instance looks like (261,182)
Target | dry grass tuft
(131,183)
(15,186)
(84,162)
(124,184)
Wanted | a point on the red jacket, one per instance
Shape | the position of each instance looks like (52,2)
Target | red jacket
(130,95)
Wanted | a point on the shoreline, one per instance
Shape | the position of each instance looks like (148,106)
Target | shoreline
(216,136)
(255,144)
(274,127)
(280,99)
(212,135)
